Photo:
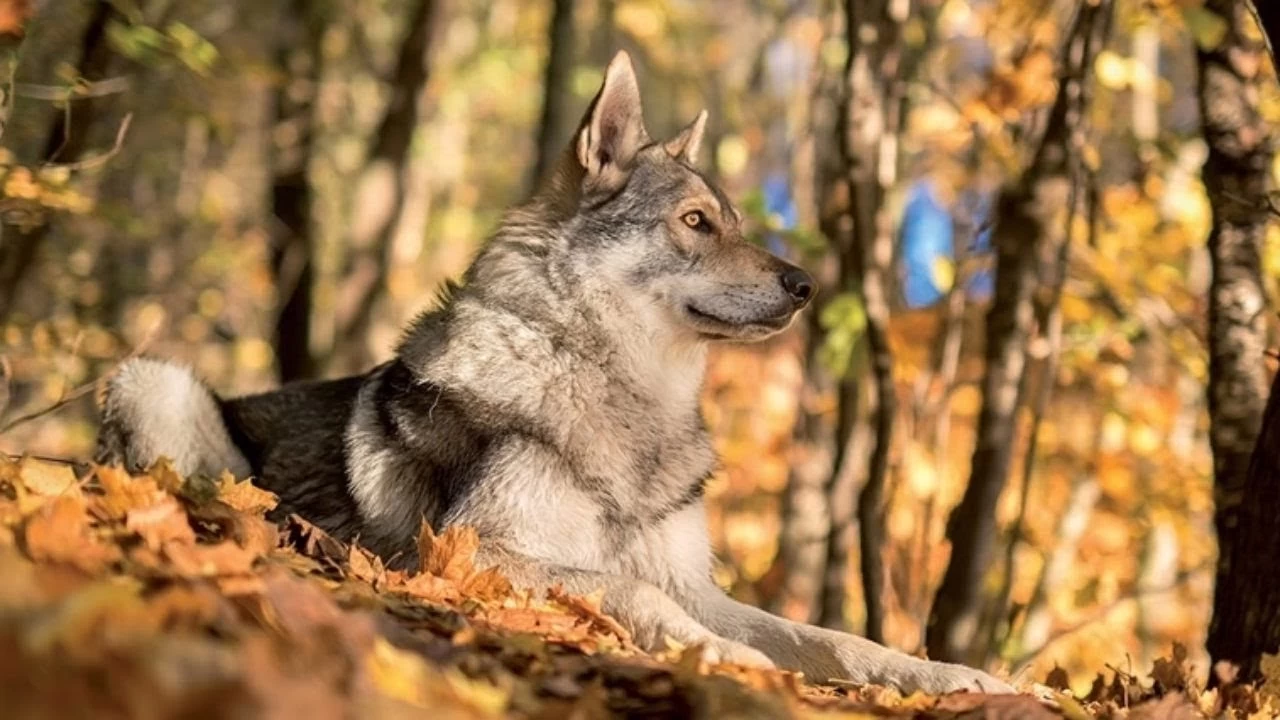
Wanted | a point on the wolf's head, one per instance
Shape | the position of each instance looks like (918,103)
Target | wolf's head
(638,222)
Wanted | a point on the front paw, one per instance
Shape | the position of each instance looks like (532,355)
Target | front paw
(937,678)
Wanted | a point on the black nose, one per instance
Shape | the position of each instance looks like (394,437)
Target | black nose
(799,285)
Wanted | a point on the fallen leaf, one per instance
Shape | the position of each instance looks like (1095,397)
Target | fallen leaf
(59,532)
(46,478)
(122,492)
(487,585)
(313,542)
(431,587)
(167,478)
(161,523)
(251,532)
(237,585)
(245,496)
(588,607)
(185,605)
(1174,706)
(364,565)
(450,555)
(196,561)
(1058,679)
(105,614)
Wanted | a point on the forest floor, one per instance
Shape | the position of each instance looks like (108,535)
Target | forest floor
(158,596)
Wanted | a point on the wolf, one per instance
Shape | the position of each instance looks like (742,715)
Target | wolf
(550,401)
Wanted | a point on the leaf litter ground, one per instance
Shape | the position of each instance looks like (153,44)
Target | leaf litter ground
(158,596)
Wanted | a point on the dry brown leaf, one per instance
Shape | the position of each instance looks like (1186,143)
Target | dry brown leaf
(251,532)
(161,523)
(588,607)
(245,496)
(1172,673)
(1058,679)
(364,565)
(185,605)
(431,587)
(255,534)
(104,614)
(47,479)
(313,542)
(286,681)
(1175,706)
(450,555)
(197,561)
(238,585)
(166,477)
(10,517)
(59,532)
(122,492)
(487,585)
(560,626)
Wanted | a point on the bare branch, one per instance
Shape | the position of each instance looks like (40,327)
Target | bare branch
(81,89)
(66,398)
(100,159)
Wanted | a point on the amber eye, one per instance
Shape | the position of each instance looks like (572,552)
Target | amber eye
(696,220)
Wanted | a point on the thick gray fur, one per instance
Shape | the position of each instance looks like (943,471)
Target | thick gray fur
(552,402)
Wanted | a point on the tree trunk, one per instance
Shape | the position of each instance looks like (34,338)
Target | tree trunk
(293,246)
(1246,603)
(1237,178)
(802,548)
(381,190)
(1028,234)
(806,512)
(555,84)
(867,127)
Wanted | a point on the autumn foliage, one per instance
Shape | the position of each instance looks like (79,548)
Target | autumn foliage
(161,596)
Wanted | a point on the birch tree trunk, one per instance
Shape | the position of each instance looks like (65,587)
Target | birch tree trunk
(1237,178)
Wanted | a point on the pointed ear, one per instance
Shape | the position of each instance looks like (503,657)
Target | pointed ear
(685,145)
(613,129)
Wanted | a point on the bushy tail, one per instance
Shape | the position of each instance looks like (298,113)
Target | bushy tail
(153,409)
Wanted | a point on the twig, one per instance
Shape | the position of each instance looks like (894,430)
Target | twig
(85,89)
(69,398)
(100,159)
(66,133)
(46,458)
(1269,202)
(79,392)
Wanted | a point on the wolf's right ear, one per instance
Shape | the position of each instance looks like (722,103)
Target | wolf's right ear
(685,145)
(613,129)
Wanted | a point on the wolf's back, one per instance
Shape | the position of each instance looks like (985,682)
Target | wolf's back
(152,408)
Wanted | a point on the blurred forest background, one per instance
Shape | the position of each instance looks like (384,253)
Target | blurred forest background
(1005,202)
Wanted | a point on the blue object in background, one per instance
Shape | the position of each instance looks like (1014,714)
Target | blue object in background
(926,243)
(928,246)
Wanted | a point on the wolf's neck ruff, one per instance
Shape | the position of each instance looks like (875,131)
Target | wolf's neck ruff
(615,400)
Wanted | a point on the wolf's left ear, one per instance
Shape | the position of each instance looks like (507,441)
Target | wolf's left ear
(685,145)
(613,129)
